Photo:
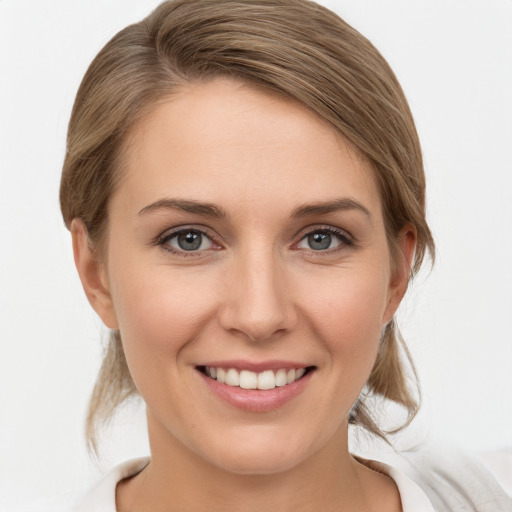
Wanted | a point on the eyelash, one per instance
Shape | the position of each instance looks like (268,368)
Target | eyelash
(164,239)
(345,240)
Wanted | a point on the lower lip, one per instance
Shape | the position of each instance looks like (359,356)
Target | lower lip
(256,400)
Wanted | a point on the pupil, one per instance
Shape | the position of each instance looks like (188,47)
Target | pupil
(189,241)
(319,241)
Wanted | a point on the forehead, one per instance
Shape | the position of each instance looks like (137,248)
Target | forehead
(224,140)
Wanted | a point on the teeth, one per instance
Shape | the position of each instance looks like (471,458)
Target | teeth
(281,378)
(266,380)
(221,375)
(248,380)
(232,378)
(252,380)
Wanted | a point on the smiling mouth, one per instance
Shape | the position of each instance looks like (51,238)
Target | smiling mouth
(246,379)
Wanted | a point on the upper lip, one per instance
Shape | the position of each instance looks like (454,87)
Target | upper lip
(255,366)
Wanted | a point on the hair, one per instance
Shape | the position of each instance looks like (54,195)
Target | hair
(294,47)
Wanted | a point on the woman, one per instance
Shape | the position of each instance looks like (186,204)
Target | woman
(245,192)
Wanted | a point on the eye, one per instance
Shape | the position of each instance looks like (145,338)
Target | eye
(324,240)
(188,240)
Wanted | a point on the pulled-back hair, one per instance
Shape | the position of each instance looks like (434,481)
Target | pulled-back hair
(294,47)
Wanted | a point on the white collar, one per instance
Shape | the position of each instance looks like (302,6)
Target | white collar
(102,497)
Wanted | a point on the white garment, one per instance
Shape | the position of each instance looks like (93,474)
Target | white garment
(102,497)
(441,480)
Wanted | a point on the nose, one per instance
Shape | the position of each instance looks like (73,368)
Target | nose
(259,303)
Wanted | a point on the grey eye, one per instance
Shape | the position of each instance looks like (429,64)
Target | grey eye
(190,240)
(320,241)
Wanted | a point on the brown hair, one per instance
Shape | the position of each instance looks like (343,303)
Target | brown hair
(294,47)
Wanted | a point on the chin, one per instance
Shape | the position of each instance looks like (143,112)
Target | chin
(261,463)
(258,454)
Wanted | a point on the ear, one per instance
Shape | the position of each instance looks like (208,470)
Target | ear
(92,274)
(401,269)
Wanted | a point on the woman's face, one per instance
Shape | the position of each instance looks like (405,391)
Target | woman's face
(246,241)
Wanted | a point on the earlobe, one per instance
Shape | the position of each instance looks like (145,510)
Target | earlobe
(92,274)
(401,272)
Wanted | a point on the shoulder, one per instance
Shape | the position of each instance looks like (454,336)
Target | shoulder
(412,496)
(499,463)
(102,497)
(438,476)
(455,480)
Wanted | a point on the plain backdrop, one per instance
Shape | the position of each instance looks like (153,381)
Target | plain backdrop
(454,60)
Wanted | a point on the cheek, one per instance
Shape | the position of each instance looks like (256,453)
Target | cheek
(347,313)
(163,311)
(349,300)
(159,314)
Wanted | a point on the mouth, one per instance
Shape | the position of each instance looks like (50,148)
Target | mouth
(251,380)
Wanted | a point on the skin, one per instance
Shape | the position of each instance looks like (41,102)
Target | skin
(255,291)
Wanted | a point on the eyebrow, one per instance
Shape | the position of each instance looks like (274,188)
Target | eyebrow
(215,211)
(336,205)
(189,206)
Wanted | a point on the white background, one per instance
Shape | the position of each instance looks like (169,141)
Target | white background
(454,60)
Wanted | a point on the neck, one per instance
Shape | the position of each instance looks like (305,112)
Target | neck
(177,479)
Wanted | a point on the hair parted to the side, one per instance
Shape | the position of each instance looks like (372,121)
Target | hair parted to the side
(294,47)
